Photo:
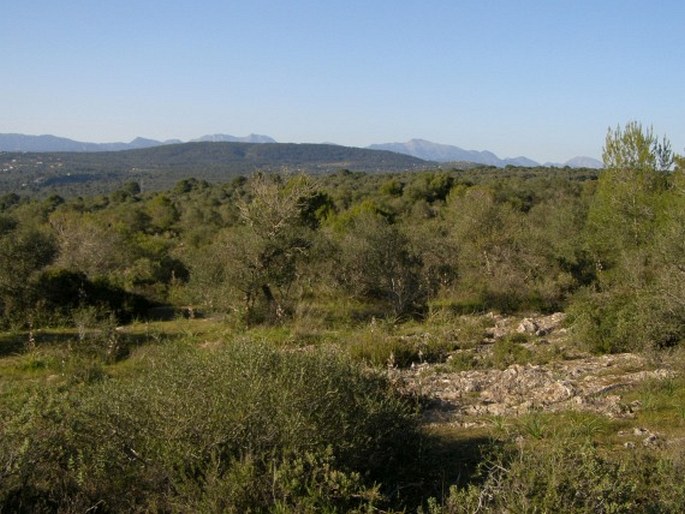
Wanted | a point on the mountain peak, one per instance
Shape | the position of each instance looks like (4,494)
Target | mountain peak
(416,147)
(226,138)
(142,140)
(430,151)
(584,162)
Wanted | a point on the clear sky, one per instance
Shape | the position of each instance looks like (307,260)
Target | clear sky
(544,79)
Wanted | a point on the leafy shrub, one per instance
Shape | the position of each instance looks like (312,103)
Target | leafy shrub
(508,351)
(620,320)
(572,477)
(308,484)
(252,426)
(381,349)
(375,261)
(462,361)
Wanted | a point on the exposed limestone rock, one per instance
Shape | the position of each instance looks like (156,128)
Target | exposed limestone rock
(539,326)
(502,326)
(649,439)
(591,384)
(527,326)
(569,382)
(542,325)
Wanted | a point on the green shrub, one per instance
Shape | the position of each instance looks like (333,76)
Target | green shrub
(255,427)
(306,484)
(572,477)
(57,293)
(509,350)
(620,320)
(462,361)
(378,349)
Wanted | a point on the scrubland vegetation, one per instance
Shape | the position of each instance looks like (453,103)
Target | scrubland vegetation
(224,348)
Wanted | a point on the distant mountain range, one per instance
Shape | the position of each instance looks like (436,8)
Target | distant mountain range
(48,143)
(429,151)
(418,148)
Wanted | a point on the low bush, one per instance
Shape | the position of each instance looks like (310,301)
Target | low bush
(509,350)
(237,429)
(379,348)
(572,476)
(622,320)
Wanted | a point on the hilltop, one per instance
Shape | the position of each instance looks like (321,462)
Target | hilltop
(162,166)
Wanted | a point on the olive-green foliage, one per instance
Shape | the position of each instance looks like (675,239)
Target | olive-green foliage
(265,246)
(237,429)
(634,235)
(509,350)
(57,293)
(634,147)
(8,200)
(24,252)
(381,346)
(256,264)
(162,212)
(351,246)
(506,259)
(624,319)
(429,187)
(375,261)
(88,244)
(430,241)
(573,476)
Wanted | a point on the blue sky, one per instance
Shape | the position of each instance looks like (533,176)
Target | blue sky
(544,79)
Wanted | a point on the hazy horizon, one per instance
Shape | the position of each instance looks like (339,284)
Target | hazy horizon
(540,79)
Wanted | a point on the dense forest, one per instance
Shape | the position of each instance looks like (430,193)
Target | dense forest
(285,407)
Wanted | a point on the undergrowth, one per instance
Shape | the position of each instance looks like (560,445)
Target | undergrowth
(239,428)
(202,417)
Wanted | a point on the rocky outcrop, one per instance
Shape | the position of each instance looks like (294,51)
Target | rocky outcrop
(566,380)
(591,383)
(534,326)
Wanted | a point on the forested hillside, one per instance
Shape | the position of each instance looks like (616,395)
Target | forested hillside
(160,167)
(351,273)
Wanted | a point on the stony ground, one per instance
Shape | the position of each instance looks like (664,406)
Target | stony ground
(567,382)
